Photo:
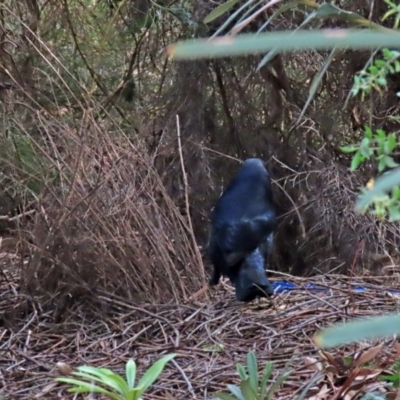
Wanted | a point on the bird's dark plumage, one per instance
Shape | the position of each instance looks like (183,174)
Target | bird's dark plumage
(243,222)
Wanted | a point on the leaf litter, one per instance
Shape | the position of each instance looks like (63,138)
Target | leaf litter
(210,338)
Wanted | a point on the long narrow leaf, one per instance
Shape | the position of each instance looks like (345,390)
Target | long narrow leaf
(316,82)
(247,390)
(111,395)
(265,378)
(220,10)
(84,387)
(242,372)
(283,41)
(113,381)
(369,328)
(87,377)
(95,371)
(327,10)
(130,371)
(236,392)
(252,370)
(232,17)
(134,394)
(154,371)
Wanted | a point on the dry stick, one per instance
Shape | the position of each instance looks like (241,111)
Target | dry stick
(190,387)
(360,245)
(185,182)
(295,209)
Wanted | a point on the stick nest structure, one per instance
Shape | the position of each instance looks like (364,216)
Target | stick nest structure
(209,338)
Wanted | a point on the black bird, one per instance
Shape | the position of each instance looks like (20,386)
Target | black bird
(243,223)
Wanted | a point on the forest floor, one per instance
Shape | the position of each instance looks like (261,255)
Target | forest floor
(209,337)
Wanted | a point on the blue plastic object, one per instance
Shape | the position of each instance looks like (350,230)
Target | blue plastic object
(285,287)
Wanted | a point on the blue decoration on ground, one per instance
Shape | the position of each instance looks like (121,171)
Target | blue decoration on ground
(285,287)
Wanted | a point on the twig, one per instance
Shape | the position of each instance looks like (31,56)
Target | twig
(351,295)
(185,182)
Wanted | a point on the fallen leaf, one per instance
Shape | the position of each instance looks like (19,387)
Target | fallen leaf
(368,355)
(47,389)
(313,363)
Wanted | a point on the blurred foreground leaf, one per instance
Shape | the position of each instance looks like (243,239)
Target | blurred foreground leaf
(358,330)
(282,41)
(382,185)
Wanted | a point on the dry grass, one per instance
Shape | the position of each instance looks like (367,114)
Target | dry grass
(109,224)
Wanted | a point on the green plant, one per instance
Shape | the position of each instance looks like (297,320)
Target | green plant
(394,9)
(375,76)
(378,145)
(395,378)
(251,387)
(377,194)
(117,387)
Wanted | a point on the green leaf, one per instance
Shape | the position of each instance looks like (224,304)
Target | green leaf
(267,58)
(135,393)
(383,184)
(348,149)
(247,390)
(220,10)
(242,372)
(373,70)
(95,371)
(390,162)
(391,378)
(231,18)
(368,132)
(365,149)
(84,387)
(104,376)
(265,378)
(283,41)
(382,81)
(316,82)
(381,133)
(354,331)
(396,193)
(152,374)
(130,371)
(382,164)
(236,392)
(392,142)
(357,160)
(253,370)
(394,213)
